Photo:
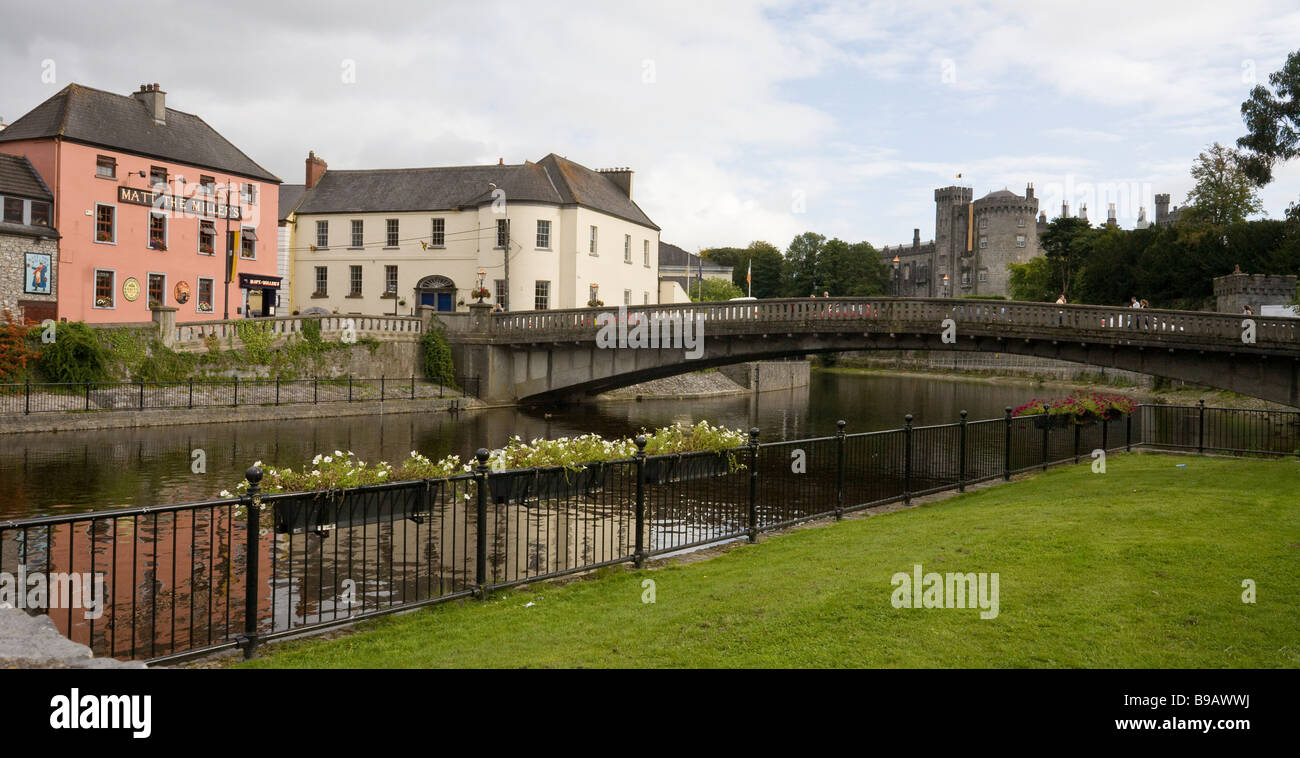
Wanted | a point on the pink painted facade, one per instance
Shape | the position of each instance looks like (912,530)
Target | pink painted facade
(80,197)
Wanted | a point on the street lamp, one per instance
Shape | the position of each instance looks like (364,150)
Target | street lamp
(896,282)
(945,285)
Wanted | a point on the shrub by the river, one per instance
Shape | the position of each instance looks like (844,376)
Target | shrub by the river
(75,355)
(15,349)
(435,354)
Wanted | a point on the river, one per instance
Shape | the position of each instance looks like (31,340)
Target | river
(67,472)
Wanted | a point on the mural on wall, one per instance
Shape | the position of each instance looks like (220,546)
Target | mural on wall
(181,293)
(37,279)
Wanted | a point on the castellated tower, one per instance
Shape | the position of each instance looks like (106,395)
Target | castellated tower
(951,216)
(1162,210)
(1005,231)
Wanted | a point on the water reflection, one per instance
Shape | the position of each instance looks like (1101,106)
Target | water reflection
(52,472)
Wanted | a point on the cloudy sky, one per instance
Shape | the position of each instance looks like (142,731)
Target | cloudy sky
(743,120)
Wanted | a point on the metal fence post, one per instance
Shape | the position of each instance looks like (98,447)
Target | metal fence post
(1076,443)
(236,386)
(349,388)
(480,559)
(1128,433)
(638,553)
(191,392)
(1200,427)
(412,386)
(277,390)
(381,388)
(907,459)
(142,395)
(1046,430)
(252,504)
(1105,427)
(87,395)
(839,471)
(753,484)
(961,464)
(27,394)
(315,389)
(1006,446)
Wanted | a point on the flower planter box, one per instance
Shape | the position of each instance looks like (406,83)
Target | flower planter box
(331,510)
(685,468)
(545,484)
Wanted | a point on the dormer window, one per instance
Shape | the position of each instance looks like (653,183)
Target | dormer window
(40,213)
(13,210)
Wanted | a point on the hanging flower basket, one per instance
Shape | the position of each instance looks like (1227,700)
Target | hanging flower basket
(546,484)
(685,468)
(333,509)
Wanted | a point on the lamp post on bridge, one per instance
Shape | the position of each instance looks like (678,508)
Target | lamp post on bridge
(896,282)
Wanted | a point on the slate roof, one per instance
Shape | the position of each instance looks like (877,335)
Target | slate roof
(19,178)
(122,122)
(552,180)
(672,255)
(290,196)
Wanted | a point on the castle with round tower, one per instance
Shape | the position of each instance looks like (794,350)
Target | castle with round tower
(974,240)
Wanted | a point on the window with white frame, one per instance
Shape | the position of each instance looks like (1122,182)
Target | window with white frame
(591,248)
(390,280)
(593,293)
(1020,240)
(500,289)
(984,276)
(391,239)
(627,248)
(354,281)
(322,235)
(627,297)
(207,237)
(247,242)
(106,167)
(203,303)
(984,242)
(645,297)
(543,234)
(542,296)
(438,235)
(105,289)
(645,253)
(358,233)
(503,232)
(249,192)
(157,289)
(157,230)
(322,282)
(105,223)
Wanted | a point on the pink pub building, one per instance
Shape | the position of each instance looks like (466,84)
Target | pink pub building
(148,201)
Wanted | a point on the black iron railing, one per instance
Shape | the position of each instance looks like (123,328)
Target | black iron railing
(181,580)
(64,397)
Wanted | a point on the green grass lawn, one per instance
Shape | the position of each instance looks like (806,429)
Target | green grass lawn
(1140,566)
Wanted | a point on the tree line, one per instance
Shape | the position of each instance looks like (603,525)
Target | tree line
(810,265)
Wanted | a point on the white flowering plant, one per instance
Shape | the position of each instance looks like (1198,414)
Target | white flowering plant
(345,469)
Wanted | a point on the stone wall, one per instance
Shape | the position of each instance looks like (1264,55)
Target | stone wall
(762,376)
(13,271)
(1233,291)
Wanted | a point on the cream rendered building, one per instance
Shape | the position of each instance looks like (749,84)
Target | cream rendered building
(366,241)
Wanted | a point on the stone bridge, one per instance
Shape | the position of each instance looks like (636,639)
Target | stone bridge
(563,355)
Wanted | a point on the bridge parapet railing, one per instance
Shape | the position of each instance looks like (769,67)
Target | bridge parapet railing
(989,317)
(193,334)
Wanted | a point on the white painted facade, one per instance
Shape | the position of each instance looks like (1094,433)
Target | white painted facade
(469,244)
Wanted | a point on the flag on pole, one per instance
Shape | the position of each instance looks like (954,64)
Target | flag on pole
(233,260)
(749,278)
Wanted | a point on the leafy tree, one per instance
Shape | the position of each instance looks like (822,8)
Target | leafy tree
(1065,247)
(1224,193)
(799,272)
(851,270)
(766,260)
(711,290)
(1031,280)
(1273,122)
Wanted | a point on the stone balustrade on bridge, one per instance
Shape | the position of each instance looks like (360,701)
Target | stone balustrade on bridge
(194,335)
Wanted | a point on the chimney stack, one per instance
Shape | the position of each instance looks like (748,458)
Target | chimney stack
(155,100)
(622,177)
(1029,191)
(315,168)
(916,238)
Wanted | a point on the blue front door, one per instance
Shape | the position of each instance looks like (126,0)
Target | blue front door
(444,301)
(427,298)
